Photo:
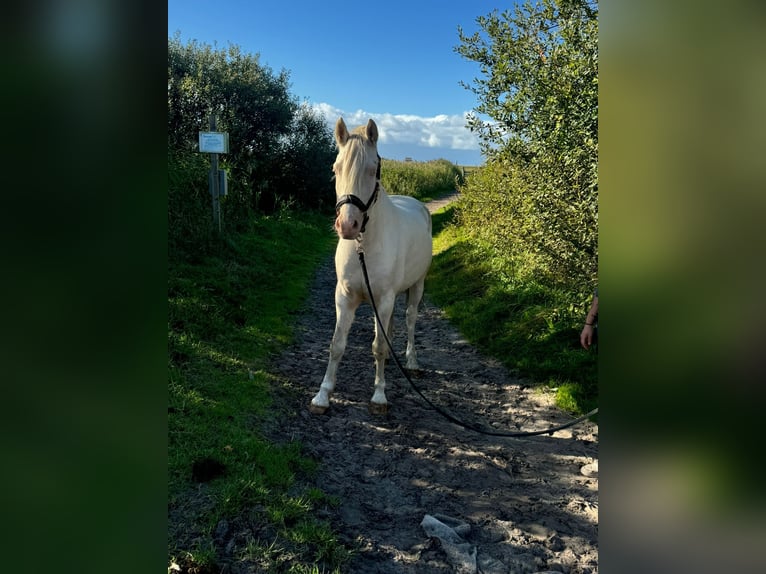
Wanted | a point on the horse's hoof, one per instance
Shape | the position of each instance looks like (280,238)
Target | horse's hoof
(378,409)
(316,409)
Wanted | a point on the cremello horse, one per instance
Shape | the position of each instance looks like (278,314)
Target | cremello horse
(395,234)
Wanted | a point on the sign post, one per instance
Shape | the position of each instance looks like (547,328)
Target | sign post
(214,142)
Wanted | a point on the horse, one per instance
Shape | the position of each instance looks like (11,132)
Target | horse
(394,233)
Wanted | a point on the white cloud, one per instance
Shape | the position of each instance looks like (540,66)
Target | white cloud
(440,131)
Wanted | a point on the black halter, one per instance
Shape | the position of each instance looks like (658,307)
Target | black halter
(354,200)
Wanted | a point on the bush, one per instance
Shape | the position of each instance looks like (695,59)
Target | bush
(280,151)
(535,203)
(532,233)
(190,214)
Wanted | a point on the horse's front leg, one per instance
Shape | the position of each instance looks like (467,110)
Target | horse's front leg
(345,310)
(378,403)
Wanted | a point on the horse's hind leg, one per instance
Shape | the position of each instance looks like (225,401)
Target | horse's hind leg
(345,310)
(414,295)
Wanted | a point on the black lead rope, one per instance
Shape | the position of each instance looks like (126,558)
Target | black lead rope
(437,408)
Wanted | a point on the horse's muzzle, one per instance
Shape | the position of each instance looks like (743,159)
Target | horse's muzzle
(347,227)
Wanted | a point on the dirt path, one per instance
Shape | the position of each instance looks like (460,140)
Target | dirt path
(437,204)
(527,505)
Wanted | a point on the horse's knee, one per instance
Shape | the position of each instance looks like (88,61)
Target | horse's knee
(337,348)
(412,316)
(380,349)
(336,353)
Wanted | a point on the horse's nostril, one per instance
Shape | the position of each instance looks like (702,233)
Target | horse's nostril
(356,224)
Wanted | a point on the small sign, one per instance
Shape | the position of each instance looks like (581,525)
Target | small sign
(214,142)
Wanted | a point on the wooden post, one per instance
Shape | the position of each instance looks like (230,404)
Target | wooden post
(213,180)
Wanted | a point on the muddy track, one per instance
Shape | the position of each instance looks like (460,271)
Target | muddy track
(527,504)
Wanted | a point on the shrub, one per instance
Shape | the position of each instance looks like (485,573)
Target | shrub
(280,151)
(536,200)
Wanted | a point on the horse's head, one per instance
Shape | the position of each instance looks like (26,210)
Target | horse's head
(357,177)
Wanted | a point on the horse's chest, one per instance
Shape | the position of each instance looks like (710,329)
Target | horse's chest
(353,285)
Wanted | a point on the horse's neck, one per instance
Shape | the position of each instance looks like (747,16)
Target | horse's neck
(381,211)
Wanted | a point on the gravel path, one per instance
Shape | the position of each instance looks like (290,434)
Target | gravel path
(525,505)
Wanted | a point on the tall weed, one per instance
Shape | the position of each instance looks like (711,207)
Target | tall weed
(423,180)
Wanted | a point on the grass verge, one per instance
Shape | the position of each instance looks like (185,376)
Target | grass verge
(229,311)
(533,330)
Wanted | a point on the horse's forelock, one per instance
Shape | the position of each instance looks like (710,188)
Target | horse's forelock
(355,160)
(360,131)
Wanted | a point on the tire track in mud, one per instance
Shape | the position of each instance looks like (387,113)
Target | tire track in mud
(529,507)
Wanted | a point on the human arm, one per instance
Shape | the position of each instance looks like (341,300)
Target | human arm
(586,336)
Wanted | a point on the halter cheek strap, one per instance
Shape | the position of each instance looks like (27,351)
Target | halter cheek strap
(355,201)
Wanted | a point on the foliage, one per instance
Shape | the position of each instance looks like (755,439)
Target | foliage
(189,208)
(304,177)
(228,312)
(423,180)
(531,328)
(251,102)
(535,201)
(280,151)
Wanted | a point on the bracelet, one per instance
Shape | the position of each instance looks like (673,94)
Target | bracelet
(590,324)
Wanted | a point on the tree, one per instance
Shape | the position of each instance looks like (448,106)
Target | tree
(250,102)
(539,89)
(307,154)
(280,151)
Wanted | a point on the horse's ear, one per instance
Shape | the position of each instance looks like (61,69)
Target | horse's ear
(372,131)
(341,132)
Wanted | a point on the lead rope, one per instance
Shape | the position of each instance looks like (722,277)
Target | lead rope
(450,417)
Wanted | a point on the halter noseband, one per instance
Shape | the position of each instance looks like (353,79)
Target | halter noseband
(355,201)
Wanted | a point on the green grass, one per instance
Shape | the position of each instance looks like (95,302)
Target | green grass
(229,312)
(533,330)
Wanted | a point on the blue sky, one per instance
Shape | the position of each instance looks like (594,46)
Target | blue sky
(393,61)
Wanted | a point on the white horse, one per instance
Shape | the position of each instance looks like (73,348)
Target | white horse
(395,234)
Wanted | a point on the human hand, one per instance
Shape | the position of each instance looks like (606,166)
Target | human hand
(586,337)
